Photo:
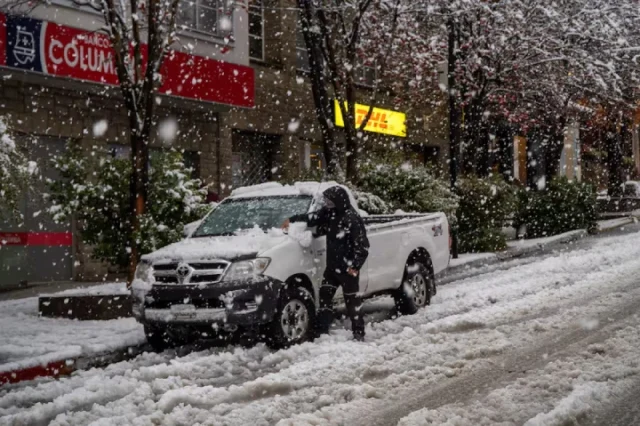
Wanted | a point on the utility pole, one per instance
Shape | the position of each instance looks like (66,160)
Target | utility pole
(454,119)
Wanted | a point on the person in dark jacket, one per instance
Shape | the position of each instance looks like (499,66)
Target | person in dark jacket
(347,251)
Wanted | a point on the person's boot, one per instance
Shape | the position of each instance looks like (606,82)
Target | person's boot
(358,337)
(324,319)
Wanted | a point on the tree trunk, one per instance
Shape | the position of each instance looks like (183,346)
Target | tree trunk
(323,103)
(351,132)
(454,114)
(553,149)
(504,136)
(614,141)
(475,139)
(139,185)
(454,122)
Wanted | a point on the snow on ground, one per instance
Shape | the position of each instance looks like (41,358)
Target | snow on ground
(467,258)
(465,355)
(110,289)
(29,340)
(525,244)
(614,223)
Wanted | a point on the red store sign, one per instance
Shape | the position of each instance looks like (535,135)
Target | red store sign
(48,48)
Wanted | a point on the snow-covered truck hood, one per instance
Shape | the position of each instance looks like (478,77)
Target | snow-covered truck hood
(249,243)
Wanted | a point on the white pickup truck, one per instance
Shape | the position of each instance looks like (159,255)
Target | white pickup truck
(238,269)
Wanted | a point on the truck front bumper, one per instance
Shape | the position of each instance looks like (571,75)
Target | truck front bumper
(244,303)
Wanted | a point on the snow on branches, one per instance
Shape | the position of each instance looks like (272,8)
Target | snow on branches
(16,173)
(95,191)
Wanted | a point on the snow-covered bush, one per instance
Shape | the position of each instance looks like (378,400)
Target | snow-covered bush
(371,203)
(560,207)
(485,204)
(16,173)
(96,190)
(411,189)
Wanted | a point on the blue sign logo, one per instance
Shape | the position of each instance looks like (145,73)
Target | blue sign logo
(23,43)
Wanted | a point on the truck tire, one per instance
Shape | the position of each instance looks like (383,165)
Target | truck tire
(416,289)
(157,338)
(294,318)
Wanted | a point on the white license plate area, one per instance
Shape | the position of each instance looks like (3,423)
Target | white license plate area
(183,311)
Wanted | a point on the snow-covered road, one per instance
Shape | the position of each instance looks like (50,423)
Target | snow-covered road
(540,343)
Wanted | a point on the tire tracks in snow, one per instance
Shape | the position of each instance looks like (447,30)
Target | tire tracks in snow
(504,369)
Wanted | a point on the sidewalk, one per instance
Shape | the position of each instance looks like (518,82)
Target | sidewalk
(460,268)
(37,289)
(34,346)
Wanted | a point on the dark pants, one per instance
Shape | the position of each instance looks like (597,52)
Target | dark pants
(328,289)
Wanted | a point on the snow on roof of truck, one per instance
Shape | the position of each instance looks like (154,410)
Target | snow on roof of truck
(274,189)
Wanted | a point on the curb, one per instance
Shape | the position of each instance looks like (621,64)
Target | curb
(464,271)
(66,367)
(52,369)
(629,220)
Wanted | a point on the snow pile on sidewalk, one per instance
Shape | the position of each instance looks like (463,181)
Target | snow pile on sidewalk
(536,242)
(479,335)
(108,289)
(29,340)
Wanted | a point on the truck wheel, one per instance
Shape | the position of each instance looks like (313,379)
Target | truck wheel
(416,289)
(294,319)
(158,339)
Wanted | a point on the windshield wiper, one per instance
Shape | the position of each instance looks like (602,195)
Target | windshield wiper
(221,234)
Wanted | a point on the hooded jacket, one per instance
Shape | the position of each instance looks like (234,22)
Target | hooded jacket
(347,242)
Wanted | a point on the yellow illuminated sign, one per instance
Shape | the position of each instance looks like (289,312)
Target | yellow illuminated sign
(381,121)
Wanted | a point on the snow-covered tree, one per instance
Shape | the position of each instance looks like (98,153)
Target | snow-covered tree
(346,39)
(95,192)
(525,63)
(16,173)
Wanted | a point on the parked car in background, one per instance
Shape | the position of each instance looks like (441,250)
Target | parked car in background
(631,189)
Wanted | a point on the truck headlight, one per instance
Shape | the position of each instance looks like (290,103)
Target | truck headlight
(247,269)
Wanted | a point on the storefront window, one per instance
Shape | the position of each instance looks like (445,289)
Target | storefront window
(366,76)
(302,58)
(212,17)
(317,161)
(256,30)
(191,159)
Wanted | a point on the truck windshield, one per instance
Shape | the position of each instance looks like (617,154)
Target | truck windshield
(245,213)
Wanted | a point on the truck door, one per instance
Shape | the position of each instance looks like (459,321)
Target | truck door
(319,250)
(385,269)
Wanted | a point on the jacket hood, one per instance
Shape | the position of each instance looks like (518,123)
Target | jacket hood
(339,197)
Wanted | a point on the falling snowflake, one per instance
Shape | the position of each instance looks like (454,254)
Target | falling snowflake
(100,128)
(168,130)
(225,24)
(293,126)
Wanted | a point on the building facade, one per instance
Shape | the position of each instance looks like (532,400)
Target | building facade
(236,86)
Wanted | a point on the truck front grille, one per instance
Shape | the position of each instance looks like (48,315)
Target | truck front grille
(190,273)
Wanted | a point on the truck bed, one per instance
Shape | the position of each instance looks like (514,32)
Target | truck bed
(374,221)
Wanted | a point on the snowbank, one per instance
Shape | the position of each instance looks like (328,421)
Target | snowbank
(467,258)
(534,242)
(29,340)
(108,289)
